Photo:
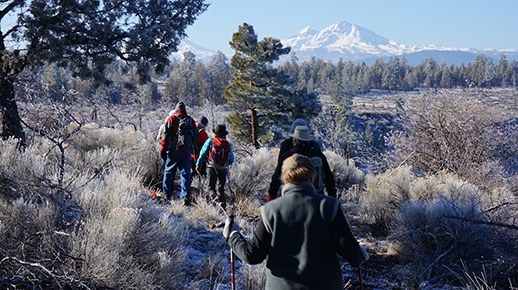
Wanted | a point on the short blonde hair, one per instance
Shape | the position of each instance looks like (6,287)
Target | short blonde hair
(297,168)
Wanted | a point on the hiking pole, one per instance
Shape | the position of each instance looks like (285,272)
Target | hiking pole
(360,277)
(231,217)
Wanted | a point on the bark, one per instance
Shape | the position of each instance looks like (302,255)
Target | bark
(255,128)
(11,122)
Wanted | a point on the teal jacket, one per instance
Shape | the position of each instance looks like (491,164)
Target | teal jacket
(204,153)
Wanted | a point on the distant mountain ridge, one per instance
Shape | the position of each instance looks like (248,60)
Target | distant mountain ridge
(348,41)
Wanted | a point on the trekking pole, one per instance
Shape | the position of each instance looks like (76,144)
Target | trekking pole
(360,277)
(231,216)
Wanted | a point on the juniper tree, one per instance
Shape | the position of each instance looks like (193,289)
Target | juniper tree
(261,95)
(86,36)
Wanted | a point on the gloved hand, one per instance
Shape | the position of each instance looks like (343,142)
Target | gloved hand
(230,227)
(163,154)
(271,197)
(364,254)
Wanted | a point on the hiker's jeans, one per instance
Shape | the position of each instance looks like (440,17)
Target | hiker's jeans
(180,159)
(218,175)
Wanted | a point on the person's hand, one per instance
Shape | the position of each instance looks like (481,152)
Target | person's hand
(198,169)
(364,254)
(230,227)
(271,197)
(163,154)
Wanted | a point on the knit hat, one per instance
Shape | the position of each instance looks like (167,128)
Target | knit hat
(180,107)
(220,130)
(203,121)
(302,133)
(297,122)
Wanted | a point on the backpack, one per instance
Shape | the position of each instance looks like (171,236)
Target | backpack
(185,133)
(218,156)
(318,164)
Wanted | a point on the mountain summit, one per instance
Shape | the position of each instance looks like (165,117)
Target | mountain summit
(352,42)
(342,40)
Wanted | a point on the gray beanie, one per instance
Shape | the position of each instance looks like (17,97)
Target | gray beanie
(297,122)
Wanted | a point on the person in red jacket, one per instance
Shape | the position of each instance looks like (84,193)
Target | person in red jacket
(175,148)
(203,136)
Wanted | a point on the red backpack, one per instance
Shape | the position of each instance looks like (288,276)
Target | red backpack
(218,156)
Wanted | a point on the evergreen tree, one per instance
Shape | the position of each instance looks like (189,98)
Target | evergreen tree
(501,69)
(376,72)
(512,74)
(218,77)
(428,69)
(261,95)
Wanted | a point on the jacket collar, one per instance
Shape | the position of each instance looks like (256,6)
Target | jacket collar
(305,186)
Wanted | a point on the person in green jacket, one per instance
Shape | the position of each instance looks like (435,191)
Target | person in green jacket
(300,234)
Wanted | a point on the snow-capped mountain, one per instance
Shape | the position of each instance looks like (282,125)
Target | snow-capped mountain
(342,40)
(352,42)
(348,41)
(201,53)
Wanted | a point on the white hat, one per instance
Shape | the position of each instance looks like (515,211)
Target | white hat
(302,133)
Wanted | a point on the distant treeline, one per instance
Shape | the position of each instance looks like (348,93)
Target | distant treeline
(197,82)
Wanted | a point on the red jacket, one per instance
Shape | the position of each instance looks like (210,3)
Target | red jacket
(201,140)
(171,129)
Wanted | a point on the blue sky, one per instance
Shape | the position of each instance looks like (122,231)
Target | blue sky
(453,23)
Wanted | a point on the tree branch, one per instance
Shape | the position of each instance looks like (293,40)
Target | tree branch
(508,226)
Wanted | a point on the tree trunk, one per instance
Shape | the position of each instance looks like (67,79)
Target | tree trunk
(11,122)
(255,127)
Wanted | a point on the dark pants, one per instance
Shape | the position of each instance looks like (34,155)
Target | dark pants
(218,175)
(182,160)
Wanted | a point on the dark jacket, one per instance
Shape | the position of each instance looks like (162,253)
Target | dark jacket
(300,233)
(309,151)
(287,145)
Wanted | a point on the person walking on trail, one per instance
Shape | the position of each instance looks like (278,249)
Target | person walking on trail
(299,234)
(175,149)
(203,136)
(217,152)
(303,144)
(161,130)
(287,144)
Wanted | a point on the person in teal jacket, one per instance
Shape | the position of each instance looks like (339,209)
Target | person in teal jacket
(217,152)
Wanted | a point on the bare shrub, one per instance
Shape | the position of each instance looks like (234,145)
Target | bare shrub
(213,272)
(450,131)
(123,242)
(134,149)
(345,172)
(385,193)
(253,276)
(429,235)
(251,176)
(21,172)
